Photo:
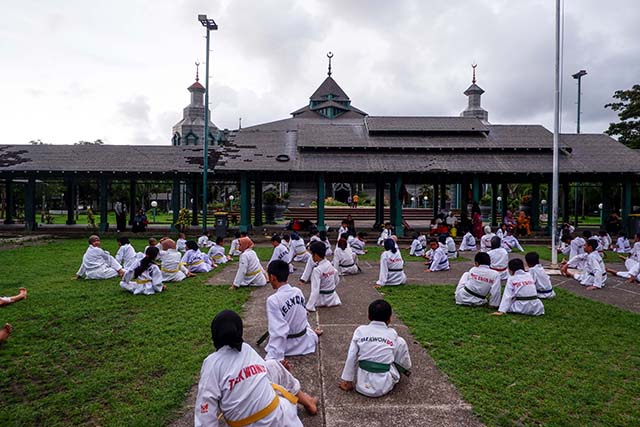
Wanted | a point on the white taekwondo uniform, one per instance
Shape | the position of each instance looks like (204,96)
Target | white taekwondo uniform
(451,248)
(289,331)
(233,248)
(345,261)
(280,252)
(196,261)
(485,242)
(239,384)
(475,286)
(543,282)
(416,248)
(438,258)
(501,234)
(149,282)
(622,245)
(171,266)
(324,281)
(126,255)
(375,352)
(391,269)
(468,242)
(384,235)
(327,244)
(250,271)
(181,245)
(510,241)
(576,247)
(500,261)
(357,246)
(217,255)
(204,242)
(98,264)
(593,272)
(299,251)
(520,295)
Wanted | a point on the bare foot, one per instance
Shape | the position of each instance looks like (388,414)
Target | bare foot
(5,332)
(164,287)
(377,286)
(23,293)
(318,332)
(121,272)
(310,403)
(345,385)
(427,271)
(286,364)
(591,288)
(233,288)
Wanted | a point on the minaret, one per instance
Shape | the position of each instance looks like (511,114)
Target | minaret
(474,92)
(190,130)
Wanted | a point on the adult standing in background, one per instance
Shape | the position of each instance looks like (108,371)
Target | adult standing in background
(121,215)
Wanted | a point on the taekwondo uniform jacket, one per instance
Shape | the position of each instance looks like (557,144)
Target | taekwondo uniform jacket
(357,246)
(485,242)
(576,247)
(475,286)
(280,252)
(233,249)
(98,264)
(239,384)
(149,282)
(181,245)
(374,354)
(204,242)
(327,244)
(416,248)
(384,235)
(126,255)
(289,331)
(299,251)
(391,269)
(171,266)
(520,295)
(593,272)
(216,253)
(543,282)
(510,241)
(451,248)
(622,245)
(468,242)
(345,261)
(324,281)
(439,259)
(250,272)
(500,261)
(308,269)
(196,261)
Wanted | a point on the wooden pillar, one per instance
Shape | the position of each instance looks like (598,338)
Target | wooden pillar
(320,202)
(132,199)
(396,211)
(103,197)
(535,206)
(565,201)
(30,223)
(627,188)
(505,199)
(257,204)
(436,200)
(245,203)
(9,202)
(195,196)
(476,189)
(379,205)
(70,199)
(175,202)
(494,204)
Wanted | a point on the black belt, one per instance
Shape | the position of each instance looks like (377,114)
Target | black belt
(298,334)
(475,294)
(395,269)
(348,265)
(548,291)
(328,292)
(531,298)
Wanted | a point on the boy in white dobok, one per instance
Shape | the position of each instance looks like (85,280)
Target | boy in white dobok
(485,240)
(357,244)
(542,279)
(468,242)
(240,386)
(438,259)
(377,355)
(520,295)
(594,273)
(280,251)
(622,244)
(385,234)
(298,249)
(324,280)
(216,252)
(476,284)
(289,331)
(499,258)
(509,242)
(98,263)
(416,248)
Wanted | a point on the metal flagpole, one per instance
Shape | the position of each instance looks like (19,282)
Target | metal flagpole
(556,137)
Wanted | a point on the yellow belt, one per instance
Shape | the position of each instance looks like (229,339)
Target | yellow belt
(196,263)
(266,410)
(142,281)
(301,253)
(253,273)
(217,256)
(170,271)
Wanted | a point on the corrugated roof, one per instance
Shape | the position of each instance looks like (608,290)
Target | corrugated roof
(424,124)
(329,87)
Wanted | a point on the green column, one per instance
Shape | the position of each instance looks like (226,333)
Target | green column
(103,197)
(627,188)
(245,203)
(476,189)
(379,205)
(505,199)
(70,199)
(396,212)
(257,206)
(606,202)
(195,194)
(8,218)
(535,206)
(30,223)
(320,203)
(436,200)
(494,204)
(175,202)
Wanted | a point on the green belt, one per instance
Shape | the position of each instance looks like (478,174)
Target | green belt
(328,292)
(376,368)
(531,298)
(475,294)
(298,334)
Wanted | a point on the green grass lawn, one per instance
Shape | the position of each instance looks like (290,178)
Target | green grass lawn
(89,353)
(578,365)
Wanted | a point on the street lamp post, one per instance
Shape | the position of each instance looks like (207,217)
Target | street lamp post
(154,205)
(210,25)
(600,208)
(231,198)
(426,199)
(578,76)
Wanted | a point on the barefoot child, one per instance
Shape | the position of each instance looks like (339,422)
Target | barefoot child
(324,280)
(250,271)
(196,261)
(98,263)
(143,276)
(594,274)
(391,266)
(543,282)
(216,252)
(520,295)
(377,355)
(476,284)
(438,259)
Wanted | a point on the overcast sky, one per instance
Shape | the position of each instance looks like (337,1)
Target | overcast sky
(118,70)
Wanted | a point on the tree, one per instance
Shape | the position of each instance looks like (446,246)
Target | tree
(96,142)
(628,109)
(38,142)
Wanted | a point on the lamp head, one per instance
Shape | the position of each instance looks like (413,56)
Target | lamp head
(209,23)
(579,74)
